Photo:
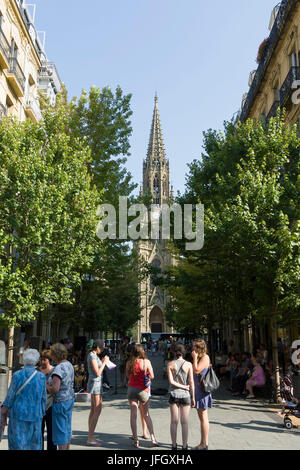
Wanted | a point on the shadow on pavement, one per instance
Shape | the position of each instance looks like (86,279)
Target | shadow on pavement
(115,442)
(269,427)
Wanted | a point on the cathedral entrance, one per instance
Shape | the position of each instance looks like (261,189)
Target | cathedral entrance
(156,320)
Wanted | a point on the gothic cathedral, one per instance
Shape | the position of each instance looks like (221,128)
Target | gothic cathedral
(156,180)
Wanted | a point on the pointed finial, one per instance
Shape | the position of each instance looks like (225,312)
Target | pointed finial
(156,97)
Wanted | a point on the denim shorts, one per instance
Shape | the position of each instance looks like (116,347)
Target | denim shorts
(184,401)
(94,387)
(62,422)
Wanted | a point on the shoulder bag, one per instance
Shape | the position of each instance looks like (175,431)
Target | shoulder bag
(209,382)
(147,380)
(27,382)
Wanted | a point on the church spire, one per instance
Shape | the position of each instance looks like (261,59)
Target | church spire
(156,165)
(156,149)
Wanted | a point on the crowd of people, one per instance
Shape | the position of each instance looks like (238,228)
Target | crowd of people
(38,398)
(184,372)
(246,371)
(41,394)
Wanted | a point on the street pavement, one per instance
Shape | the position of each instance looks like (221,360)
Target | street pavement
(235,424)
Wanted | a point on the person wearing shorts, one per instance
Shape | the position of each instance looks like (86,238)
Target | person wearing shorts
(181,394)
(95,388)
(203,400)
(138,393)
(61,386)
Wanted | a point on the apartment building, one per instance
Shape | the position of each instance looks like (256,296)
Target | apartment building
(274,83)
(24,70)
(24,67)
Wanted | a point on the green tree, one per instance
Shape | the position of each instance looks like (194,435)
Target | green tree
(248,181)
(45,191)
(101,119)
(47,215)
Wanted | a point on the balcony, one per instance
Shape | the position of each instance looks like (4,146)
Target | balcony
(4,51)
(32,108)
(286,90)
(273,110)
(286,7)
(16,77)
(49,73)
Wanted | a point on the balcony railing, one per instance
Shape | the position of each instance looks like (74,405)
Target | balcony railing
(273,110)
(32,108)
(286,89)
(4,46)
(284,10)
(17,71)
(49,71)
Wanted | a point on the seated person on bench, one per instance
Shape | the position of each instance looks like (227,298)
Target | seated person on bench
(257,378)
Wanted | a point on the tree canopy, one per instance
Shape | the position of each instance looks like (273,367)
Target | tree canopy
(248,181)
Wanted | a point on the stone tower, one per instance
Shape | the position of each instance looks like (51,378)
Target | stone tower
(156,180)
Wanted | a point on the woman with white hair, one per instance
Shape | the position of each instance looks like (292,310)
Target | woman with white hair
(25,405)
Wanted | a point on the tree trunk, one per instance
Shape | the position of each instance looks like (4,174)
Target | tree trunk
(10,352)
(273,328)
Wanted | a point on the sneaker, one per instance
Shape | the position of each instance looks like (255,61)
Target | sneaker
(107,387)
(250,396)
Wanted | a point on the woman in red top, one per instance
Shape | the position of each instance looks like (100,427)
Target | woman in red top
(137,368)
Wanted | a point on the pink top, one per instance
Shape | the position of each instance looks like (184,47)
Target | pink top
(258,375)
(136,378)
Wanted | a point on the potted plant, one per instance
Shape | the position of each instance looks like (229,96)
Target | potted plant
(261,50)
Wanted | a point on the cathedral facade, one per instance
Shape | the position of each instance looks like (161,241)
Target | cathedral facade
(156,180)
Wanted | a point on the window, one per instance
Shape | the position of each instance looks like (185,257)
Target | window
(298,124)
(293,59)
(13,49)
(9,105)
(156,262)
(276,92)
(156,185)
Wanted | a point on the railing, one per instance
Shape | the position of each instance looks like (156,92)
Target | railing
(4,45)
(17,71)
(285,8)
(48,70)
(286,89)
(32,103)
(273,110)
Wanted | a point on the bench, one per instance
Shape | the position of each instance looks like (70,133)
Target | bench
(264,391)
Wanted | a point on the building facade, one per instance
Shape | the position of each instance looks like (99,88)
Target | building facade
(274,83)
(156,181)
(24,67)
(24,70)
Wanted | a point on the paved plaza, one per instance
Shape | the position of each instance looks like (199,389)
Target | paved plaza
(235,424)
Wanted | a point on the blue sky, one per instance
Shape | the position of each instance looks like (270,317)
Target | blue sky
(197,54)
